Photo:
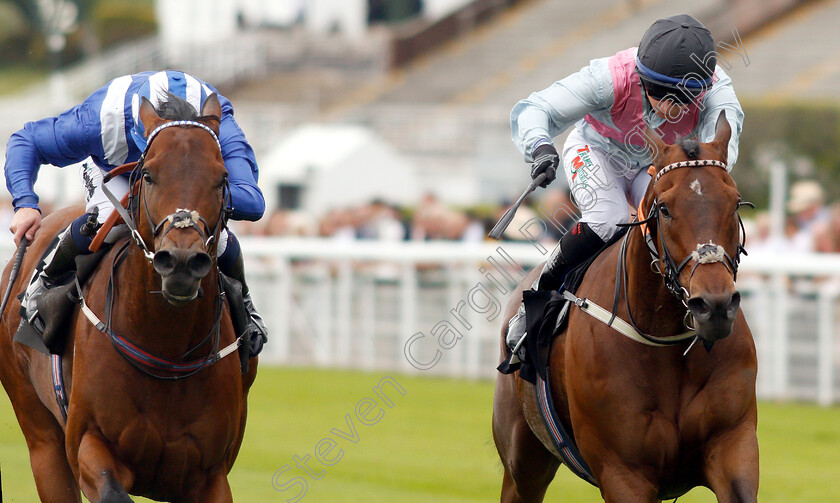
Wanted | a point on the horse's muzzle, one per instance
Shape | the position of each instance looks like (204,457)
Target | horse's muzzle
(714,314)
(181,272)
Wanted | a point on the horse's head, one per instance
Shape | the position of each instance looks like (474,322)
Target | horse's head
(695,229)
(183,191)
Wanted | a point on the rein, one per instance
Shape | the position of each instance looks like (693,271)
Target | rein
(143,360)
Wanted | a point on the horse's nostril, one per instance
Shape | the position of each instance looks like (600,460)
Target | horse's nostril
(734,305)
(710,306)
(164,262)
(199,264)
(699,307)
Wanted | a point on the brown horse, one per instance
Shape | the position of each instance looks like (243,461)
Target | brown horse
(650,422)
(171,438)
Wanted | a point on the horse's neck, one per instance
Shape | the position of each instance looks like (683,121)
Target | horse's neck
(655,310)
(143,315)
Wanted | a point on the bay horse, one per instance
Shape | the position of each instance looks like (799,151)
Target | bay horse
(650,422)
(166,424)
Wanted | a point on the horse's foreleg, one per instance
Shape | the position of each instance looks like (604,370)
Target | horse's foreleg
(217,490)
(619,484)
(529,467)
(53,477)
(102,478)
(732,466)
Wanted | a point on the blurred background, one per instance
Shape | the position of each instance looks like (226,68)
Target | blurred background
(382,134)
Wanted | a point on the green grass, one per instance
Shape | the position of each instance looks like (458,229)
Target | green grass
(434,445)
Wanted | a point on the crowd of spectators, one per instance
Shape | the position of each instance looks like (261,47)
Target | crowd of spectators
(429,220)
(812,224)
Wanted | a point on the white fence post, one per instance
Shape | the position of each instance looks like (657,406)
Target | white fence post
(344,307)
(828,295)
(780,336)
(408,309)
(283,296)
(368,321)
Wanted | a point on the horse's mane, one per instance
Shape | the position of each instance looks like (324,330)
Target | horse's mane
(690,146)
(176,109)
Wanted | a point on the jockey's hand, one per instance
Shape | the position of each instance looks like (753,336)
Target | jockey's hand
(545,161)
(25,222)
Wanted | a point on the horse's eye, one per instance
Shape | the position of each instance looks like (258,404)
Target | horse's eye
(663,210)
(148,178)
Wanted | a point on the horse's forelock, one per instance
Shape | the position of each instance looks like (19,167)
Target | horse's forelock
(176,108)
(691,147)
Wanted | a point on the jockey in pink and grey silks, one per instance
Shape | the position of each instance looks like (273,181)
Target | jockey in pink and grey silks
(670,83)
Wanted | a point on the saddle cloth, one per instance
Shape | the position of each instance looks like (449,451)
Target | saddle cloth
(546,316)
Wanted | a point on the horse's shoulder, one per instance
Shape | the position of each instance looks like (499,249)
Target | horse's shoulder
(59,219)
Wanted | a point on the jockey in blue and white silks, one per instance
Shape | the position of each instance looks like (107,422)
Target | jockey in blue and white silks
(106,127)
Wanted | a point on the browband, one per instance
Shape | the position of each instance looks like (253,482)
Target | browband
(689,164)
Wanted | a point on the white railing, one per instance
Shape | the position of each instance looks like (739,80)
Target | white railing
(364,304)
(360,304)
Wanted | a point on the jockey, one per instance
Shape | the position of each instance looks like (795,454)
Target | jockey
(670,83)
(106,127)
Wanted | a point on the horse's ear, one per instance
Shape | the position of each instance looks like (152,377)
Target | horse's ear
(148,115)
(655,145)
(212,109)
(723,131)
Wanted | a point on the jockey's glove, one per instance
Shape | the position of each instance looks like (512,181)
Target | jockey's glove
(545,161)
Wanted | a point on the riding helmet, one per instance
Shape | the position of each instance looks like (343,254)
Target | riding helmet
(156,87)
(676,58)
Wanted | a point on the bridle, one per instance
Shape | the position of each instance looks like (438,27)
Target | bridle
(664,264)
(181,218)
(140,358)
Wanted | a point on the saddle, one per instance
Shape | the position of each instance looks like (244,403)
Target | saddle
(56,306)
(546,316)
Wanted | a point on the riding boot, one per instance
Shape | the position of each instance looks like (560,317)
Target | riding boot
(257,329)
(574,248)
(59,267)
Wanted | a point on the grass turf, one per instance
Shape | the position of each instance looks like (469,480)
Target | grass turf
(433,444)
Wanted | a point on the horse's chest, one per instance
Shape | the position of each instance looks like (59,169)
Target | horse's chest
(168,427)
(159,447)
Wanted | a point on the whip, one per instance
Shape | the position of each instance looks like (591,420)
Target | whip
(13,274)
(502,224)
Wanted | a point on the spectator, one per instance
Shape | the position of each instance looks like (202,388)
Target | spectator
(339,224)
(381,221)
(808,210)
(827,234)
(428,219)
(760,238)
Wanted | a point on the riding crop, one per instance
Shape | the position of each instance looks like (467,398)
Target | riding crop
(502,224)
